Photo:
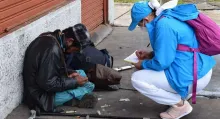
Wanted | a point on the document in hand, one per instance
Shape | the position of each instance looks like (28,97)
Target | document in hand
(132,58)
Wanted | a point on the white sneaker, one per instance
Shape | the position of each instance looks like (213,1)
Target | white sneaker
(176,112)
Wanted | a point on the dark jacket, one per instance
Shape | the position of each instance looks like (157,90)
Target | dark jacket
(44,73)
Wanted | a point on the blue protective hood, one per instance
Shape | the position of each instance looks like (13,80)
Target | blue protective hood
(182,12)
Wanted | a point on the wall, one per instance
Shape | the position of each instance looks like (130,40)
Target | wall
(111,11)
(13,46)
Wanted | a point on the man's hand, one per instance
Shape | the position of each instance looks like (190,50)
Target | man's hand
(141,54)
(73,75)
(81,80)
(138,65)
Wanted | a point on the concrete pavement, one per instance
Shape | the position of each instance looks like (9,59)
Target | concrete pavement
(121,43)
(123,18)
(213,88)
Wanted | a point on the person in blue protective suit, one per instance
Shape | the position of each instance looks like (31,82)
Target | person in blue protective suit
(165,75)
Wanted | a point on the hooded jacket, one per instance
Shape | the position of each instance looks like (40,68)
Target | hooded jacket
(167,31)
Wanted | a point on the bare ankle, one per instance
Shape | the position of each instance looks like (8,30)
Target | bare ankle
(180,104)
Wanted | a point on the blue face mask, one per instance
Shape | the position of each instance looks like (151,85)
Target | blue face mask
(143,26)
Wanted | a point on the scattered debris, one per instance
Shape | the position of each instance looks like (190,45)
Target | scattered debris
(124,68)
(33,114)
(98,112)
(99,98)
(71,111)
(124,100)
(103,110)
(124,110)
(105,106)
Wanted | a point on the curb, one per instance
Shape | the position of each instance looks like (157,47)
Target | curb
(101,33)
(123,4)
(214,4)
(120,25)
(209,94)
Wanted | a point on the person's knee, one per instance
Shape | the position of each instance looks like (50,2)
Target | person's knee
(81,73)
(90,86)
(140,83)
(140,77)
(135,77)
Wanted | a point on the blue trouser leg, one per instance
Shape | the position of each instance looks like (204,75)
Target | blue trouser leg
(78,93)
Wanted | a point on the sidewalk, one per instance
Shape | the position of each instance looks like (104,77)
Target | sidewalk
(123,10)
(120,44)
(213,89)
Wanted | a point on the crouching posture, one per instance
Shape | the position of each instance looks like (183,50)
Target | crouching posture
(166,74)
(47,81)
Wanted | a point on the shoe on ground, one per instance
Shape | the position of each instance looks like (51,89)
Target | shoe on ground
(88,101)
(176,112)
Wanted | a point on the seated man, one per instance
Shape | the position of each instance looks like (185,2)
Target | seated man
(47,82)
(96,63)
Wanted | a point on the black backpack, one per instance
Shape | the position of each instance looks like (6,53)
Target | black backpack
(96,56)
(88,53)
(97,64)
(88,57)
